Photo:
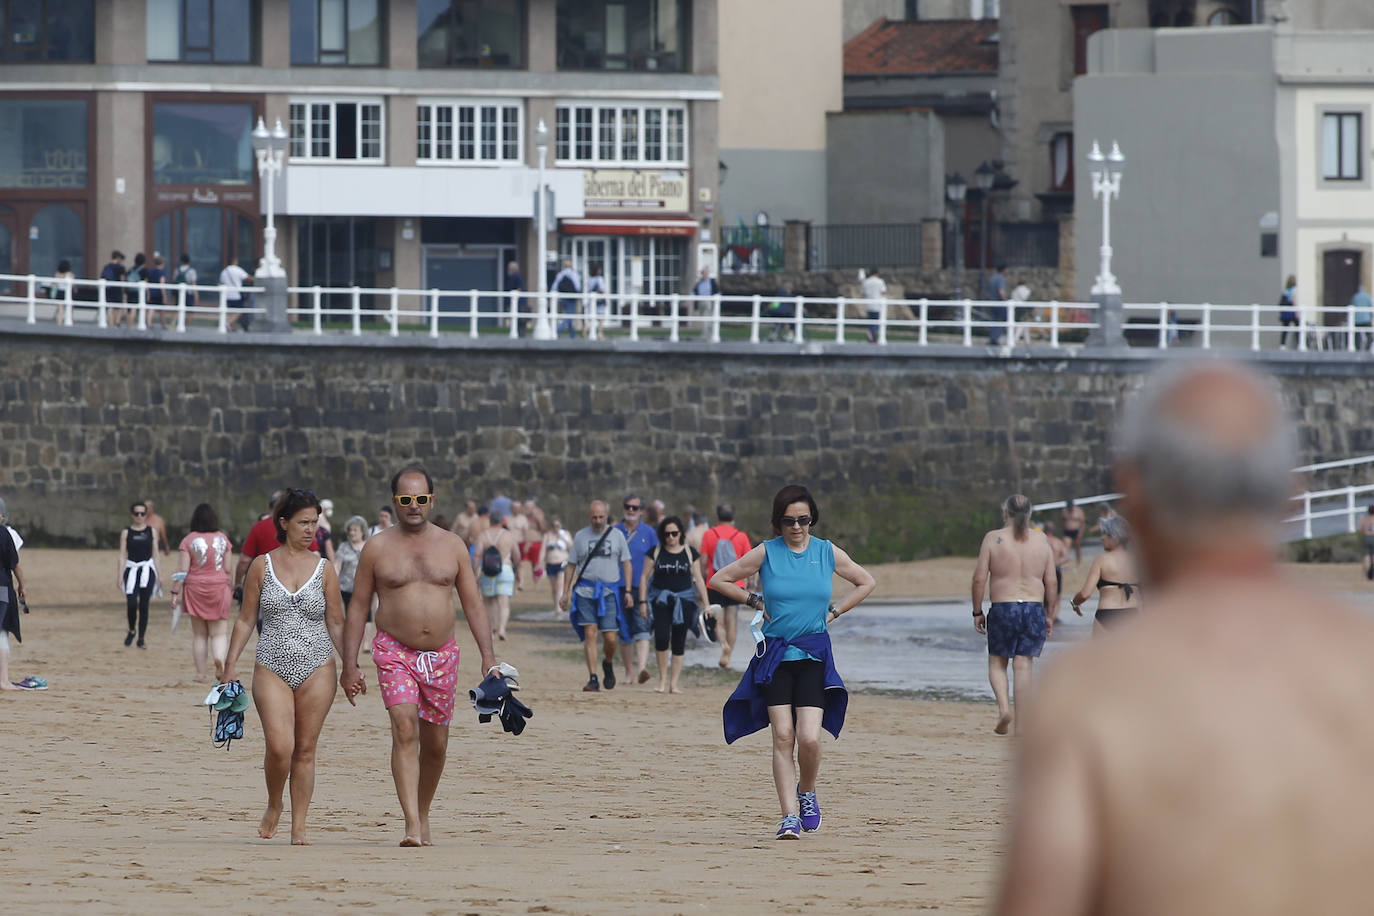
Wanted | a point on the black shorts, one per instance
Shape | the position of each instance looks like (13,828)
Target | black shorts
(799,683)
(715,597)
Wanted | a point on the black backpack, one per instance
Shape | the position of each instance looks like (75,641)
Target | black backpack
(491,562)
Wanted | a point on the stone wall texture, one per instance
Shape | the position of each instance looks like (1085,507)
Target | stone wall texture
(909,451)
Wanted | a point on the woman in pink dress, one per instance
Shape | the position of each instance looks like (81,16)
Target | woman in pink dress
(203,585)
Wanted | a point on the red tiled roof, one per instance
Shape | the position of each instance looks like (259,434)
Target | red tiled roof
(923,46)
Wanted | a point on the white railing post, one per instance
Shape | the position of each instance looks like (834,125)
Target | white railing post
(968,323)
(356,307)
(515,315)
(1254,326)
(1164,326)
(1307,515)
(754,319)
(433,313)
(673,305)
(1054,324)
(799,320)
(1350,330)
(472,313)
(224,310)
(1206,325)
(882,322)
(394,310)
(1011,323)
(67,294)
(143,305)
(634,318)
(33,300)
(923,315)
(1350,509)
(181,310)
(589,306)
(840,316)
(317,304)
(715,318)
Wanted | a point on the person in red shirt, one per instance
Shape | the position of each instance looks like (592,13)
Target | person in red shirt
(262,538)
(721,546)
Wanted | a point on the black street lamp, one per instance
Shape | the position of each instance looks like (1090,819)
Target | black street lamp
(984,176)
(955,189)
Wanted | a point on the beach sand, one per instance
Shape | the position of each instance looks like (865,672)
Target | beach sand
(114,799)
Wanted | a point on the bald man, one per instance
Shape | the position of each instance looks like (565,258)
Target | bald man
(1211,756)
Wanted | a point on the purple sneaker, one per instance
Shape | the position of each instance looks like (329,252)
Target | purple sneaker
(790,828)
(810,811)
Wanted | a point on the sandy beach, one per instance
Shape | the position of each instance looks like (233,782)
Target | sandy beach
(114,799)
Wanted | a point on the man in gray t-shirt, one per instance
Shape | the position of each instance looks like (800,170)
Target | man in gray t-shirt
(592,597)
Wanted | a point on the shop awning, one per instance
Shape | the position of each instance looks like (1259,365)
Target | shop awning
(623,226)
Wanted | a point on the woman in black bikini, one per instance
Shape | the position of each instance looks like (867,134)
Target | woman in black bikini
(1114,575)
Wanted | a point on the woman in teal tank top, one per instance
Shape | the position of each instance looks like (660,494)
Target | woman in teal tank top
(792,673)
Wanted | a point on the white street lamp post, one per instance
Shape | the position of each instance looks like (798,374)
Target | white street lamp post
(270,149)
(1106,185)
(543,327)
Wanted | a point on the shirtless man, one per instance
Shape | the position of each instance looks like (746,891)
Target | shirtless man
(497,590)
(1211,762)
(465,519)
(158,524)
(1367,542)
(413,567)
(1016,564)
(519,526)
(1071,522)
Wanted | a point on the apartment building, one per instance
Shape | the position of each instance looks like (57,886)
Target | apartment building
(412,135)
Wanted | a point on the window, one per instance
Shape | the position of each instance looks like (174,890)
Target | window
(983,9)
(1086,21)
(36,30)
(336,251)
(1061,162)
(487,132)
(337,32)
(336,130)
(622,35)
(202,143)
(57,234)
(1341,146)
(211,236)
(593,134)
(1223,17)
(42,143)
(471,33)
(203,31)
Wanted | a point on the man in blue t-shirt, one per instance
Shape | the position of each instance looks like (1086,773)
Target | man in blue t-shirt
(637,626)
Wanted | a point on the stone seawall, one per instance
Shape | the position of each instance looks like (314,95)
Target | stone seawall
(908,450)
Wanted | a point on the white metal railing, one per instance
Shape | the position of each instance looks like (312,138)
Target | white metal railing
(756,318)
(108,300)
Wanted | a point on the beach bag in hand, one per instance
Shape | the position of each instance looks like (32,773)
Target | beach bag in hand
(491,562)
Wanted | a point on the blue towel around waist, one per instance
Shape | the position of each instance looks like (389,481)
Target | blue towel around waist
(747,711)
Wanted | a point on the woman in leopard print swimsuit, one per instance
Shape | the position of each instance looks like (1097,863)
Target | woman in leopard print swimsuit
(296,595)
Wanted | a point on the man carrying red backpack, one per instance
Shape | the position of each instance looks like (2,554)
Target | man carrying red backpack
(722,545)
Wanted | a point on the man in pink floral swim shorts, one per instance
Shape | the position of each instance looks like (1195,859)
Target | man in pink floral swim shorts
(413,567)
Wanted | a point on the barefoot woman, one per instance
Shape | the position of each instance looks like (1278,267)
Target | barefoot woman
(791,684)
(295,592)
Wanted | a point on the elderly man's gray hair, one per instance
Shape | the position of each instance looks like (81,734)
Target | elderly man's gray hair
(1190,472)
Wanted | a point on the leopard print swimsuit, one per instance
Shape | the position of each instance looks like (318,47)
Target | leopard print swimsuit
(295,642)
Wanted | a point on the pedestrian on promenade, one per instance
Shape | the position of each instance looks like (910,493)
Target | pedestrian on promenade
(61,288)
(1363,308)
(185,278)
(721,546)
(874,289)
(156,276)
(1288,311)
(1114,576)
(1214,761)
(135,275)
(514,284)
(791,684)
(600,557)
(636,626)
(674,590)
(233,278)
(997,292)
(138,577)
(203,584)
(292,593)
(414,568)
(567,282)
(114,272)
(1016,568)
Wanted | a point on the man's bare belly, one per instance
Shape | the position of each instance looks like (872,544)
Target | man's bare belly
(420,616)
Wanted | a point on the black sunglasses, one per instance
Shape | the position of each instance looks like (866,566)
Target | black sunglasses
(671,532)
(801,521)
(635,506)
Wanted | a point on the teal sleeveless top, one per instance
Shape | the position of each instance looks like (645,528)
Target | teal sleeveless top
(796,590)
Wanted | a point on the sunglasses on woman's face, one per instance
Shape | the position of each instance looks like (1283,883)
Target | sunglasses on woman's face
(801,521)
(421,500)
(671,533)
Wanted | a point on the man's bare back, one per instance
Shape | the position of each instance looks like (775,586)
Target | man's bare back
(1265,691)
(414,578)
(1016,569)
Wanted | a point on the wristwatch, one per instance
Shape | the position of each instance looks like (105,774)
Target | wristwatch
(754,600)
(833,610)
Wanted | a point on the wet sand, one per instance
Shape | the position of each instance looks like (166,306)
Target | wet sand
(114,799)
